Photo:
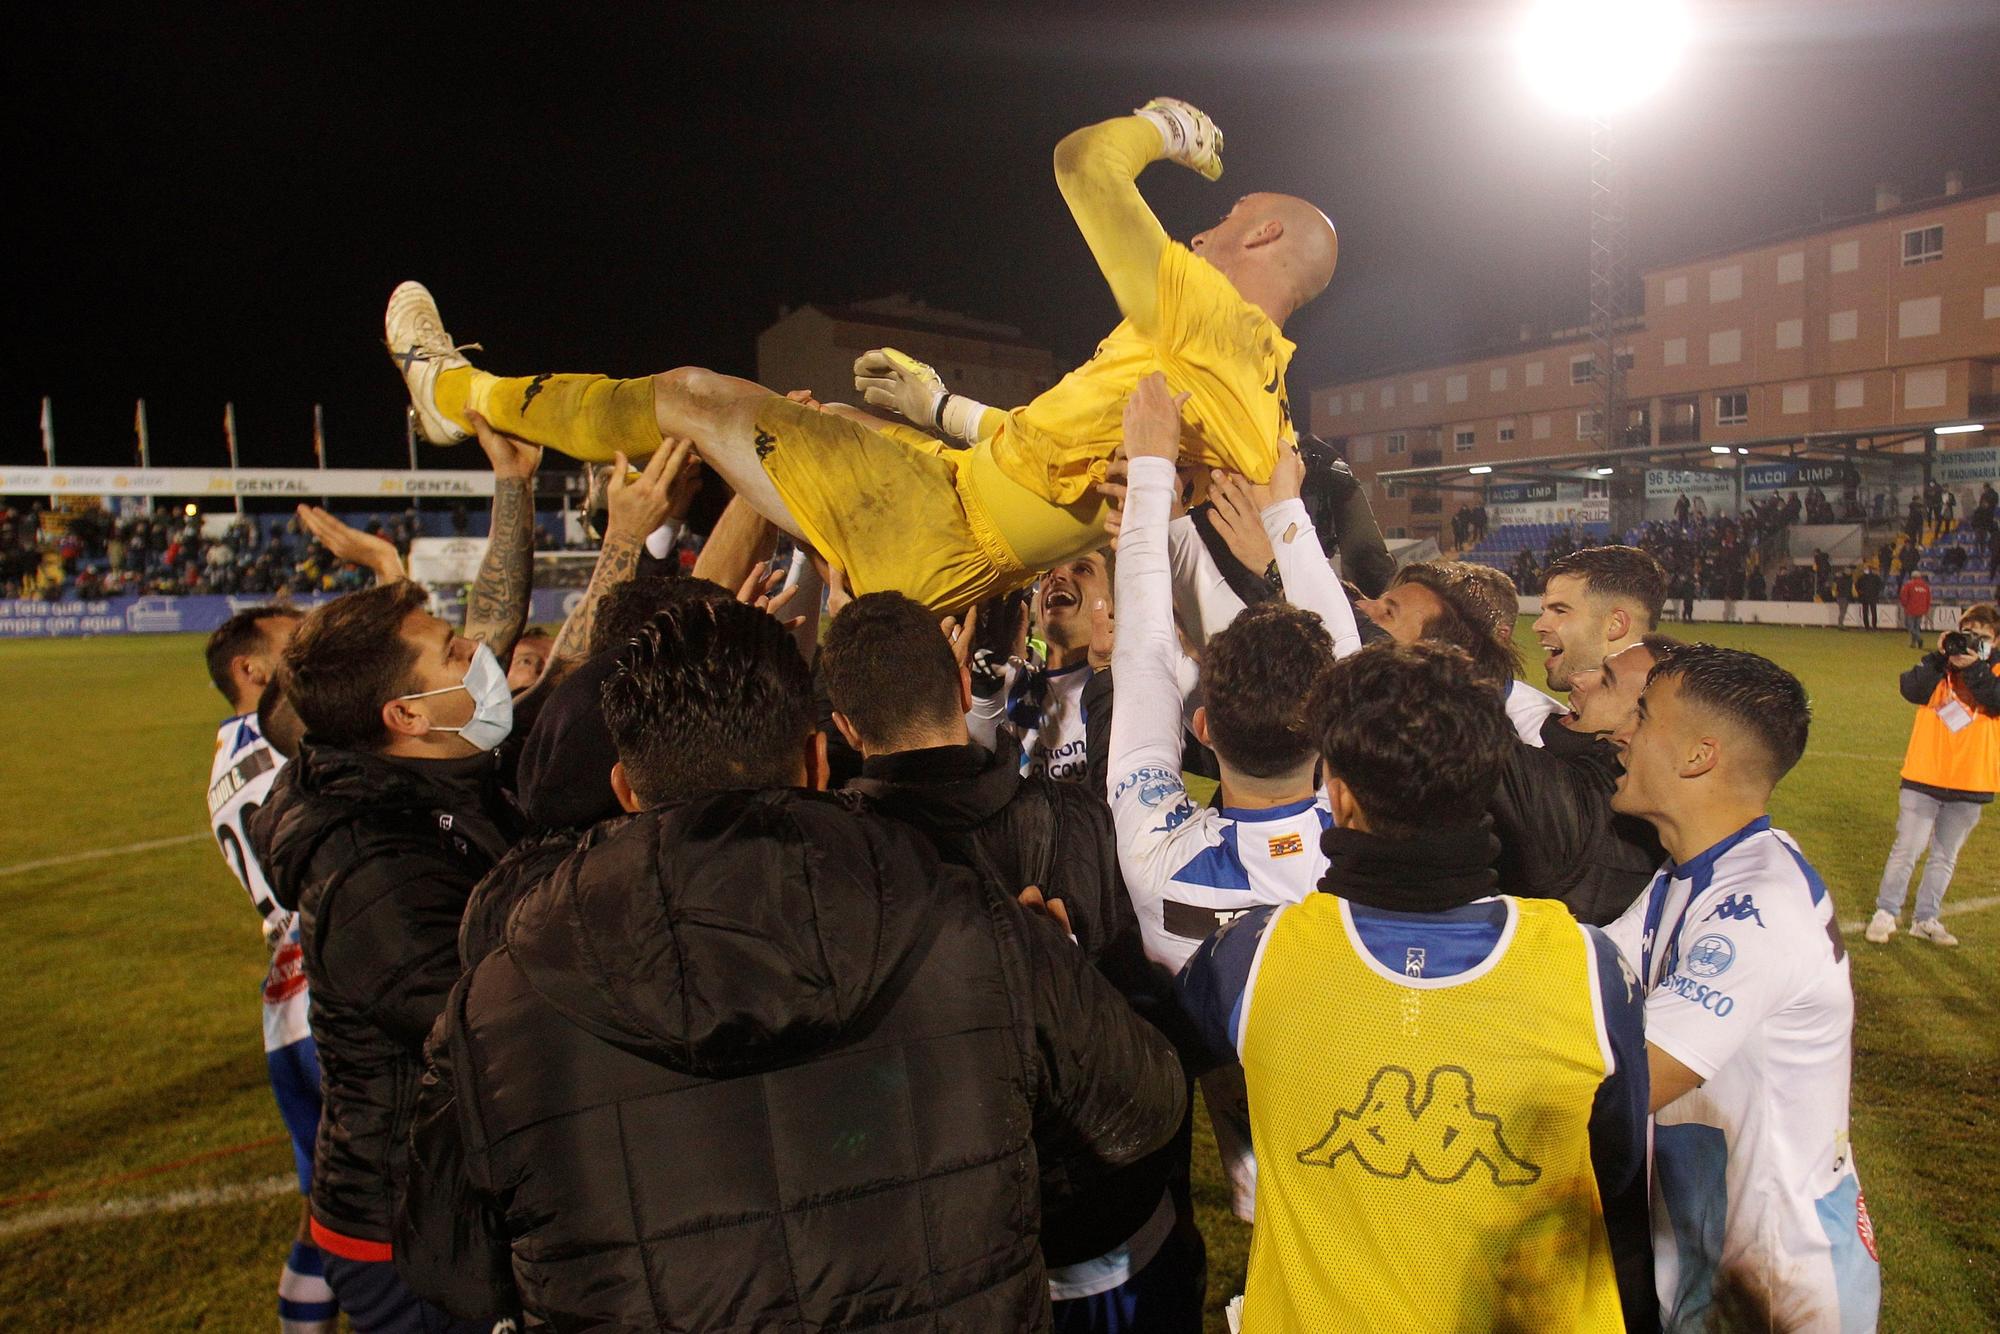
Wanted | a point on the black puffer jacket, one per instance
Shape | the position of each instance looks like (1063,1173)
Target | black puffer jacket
(983,815)
(1552,812)
(1623,853)
(758,1061)
(377,855)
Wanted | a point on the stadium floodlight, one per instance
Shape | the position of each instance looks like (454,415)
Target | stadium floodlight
(192,509)
(1718,449)
(1605,472)
(1741,450)
(1961,430)
(1480,469)
(1596,56)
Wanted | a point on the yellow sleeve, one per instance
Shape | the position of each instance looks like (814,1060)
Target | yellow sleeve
(1097,169)
(1231,360)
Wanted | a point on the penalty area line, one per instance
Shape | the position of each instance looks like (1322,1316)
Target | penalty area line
(142,1206)
(96,854)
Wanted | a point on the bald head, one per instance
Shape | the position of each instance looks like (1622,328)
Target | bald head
(1278,250)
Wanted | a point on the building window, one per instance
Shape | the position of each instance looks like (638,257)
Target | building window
(1582,369)
(1506,432)
(1395,490)
(1496,379)
(1850,393)
(1462,441)
(1792,267)
(1388,395)
(1725,347)
(1420,392)
(1732,409)
(1791,333)
(1674,352)
(1798,398)
(1354,401)
(1674,291)
(1333,405)
(1539,426)
(1843,326)
(1925,388)
(1454,389)
(1921,245)
(1623,356)
(1725,284)
(1843,257)
(1588,424)
(1397,440)
(1532,375)
(1919,316)
(1993,303)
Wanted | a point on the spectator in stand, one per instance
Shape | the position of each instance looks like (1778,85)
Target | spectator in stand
(1948,518)
(1756,587)
(1951,770)
(1913,522)
(1843,596)
(1915,599)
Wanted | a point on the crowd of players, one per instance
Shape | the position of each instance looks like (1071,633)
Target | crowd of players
(724,970)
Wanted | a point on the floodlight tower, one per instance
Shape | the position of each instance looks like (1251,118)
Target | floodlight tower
(1596,57)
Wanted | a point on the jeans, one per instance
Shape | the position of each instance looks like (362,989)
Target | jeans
(1920,820)
(1915,625)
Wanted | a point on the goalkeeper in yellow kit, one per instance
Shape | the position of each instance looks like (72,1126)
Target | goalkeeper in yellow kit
(890,505)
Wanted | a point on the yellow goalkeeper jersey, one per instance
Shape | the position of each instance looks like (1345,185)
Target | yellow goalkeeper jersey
(1225,353)
(1423,1142)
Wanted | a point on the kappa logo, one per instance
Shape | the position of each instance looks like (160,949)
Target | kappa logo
(766,442)
(534,388)
(1389,1133)
(1414,959)
(1287,845)
(1732,909)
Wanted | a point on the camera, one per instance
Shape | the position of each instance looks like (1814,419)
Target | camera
(1956,642)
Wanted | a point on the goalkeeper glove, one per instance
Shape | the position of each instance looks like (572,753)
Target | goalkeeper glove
(891,379)
(1192,139)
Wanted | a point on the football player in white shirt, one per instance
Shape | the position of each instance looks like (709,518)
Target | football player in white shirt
(1042,708)
(1190,869)
(243,655)
(1758,1217)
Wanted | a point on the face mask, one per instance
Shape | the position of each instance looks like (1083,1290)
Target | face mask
(492,702)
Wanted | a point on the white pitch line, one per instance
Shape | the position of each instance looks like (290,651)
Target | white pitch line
(1949,910)
(1812,754)
(94,854)
(140,1206)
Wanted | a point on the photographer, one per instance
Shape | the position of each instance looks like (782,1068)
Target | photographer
(1950,771)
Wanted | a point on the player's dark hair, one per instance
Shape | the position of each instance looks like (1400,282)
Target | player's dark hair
(1755,694)
(627,606)
(708,695)
(241,634)
(1408,729)
(889,672)
(1657,644)
(1620,572)
(277,721)
(348,659)
(1472,619)
(1255,677)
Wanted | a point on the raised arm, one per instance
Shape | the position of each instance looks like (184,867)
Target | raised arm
(1097,170)
(1146,730)
(1307,575)
(636,507)
(497,610)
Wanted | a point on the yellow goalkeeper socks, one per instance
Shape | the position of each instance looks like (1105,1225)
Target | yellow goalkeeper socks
(588,417)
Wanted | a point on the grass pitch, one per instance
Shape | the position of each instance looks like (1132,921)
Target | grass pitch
(140,1158)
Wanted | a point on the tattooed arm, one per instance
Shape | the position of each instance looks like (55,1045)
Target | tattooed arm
(497,610)
(637,506)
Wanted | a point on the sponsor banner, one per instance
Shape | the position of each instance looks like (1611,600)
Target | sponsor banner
(1958,466)
(1797,476)
(446,560)
(1527,493)
(303,483)
(1578,510)
(1711,484)
(25,618)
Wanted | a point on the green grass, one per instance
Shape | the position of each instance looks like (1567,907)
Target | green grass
(129,990)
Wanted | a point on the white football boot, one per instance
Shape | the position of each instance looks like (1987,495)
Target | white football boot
(418,344)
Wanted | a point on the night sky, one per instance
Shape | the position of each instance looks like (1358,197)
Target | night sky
(213,203)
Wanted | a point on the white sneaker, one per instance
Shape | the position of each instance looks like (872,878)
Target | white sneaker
(418,344)
(1880,927)
(1932,929)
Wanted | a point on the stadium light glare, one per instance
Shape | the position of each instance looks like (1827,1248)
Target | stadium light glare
(1605,472)
(1741,450)
(1961,430)
(192,509)
(1718,449)
(1596,56)
(1480,470)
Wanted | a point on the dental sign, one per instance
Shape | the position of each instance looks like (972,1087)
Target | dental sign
(302,483)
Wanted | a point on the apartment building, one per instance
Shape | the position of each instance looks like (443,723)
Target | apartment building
(814,347)
(1869,330)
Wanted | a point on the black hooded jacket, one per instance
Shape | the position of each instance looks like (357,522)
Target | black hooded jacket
(982,814)
(759,1061)
(377,855)
(1559,838)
